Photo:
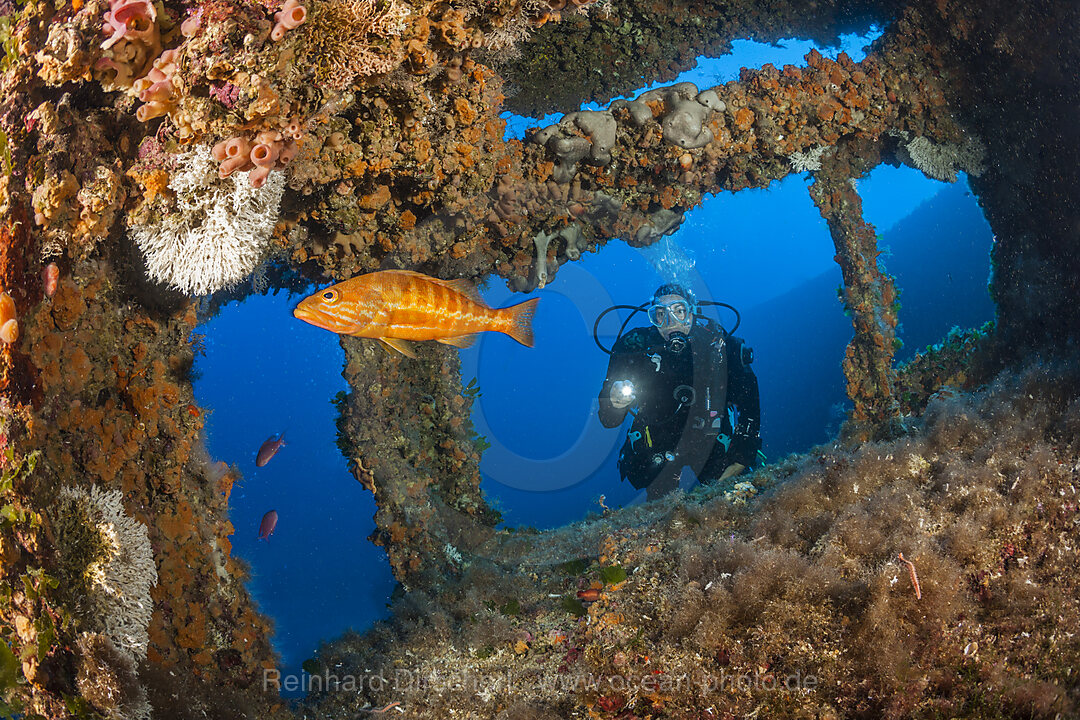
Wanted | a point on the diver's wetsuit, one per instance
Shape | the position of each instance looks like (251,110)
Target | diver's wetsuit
(698,407)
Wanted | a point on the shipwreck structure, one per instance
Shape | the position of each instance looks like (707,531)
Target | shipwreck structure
(150,150)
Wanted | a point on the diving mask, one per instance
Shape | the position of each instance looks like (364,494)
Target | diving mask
(675,312)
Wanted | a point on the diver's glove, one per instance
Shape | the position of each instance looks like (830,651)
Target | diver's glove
(622,394)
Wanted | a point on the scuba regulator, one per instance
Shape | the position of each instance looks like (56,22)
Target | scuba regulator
(677,341)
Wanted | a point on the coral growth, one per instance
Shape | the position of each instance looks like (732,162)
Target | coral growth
(427,483)
(810,160)
(218,233)
(941,161)
(121,571)
(351,39)
(113,391)
(108,680)
(869,296)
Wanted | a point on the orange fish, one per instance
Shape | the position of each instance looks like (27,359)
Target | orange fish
(394,306)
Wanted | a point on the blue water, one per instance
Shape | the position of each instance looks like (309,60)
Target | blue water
(265,372)
(766,251)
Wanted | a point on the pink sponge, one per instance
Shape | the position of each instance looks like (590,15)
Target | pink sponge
(268,150)
(291,16)
(156,89)
(233,154)
(128,18)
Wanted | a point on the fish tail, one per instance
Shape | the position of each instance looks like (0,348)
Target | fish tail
(520,318)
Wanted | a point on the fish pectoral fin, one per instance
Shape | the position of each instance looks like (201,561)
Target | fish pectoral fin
(461,341)
(398,344)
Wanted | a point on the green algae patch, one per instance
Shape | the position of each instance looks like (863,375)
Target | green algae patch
(575,567)
(573,606)
(613,574)
(9,667)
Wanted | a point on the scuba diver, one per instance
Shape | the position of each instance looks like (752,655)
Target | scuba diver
(695,396)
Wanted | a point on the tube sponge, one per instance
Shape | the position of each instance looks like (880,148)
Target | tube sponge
(233,154)
(258,176)
(191,24)
(127,19)
(156,89)
(288,151)
(291,16)
(151,110)
(270,150)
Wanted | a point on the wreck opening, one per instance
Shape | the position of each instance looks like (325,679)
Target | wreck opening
(251,342)
(904,566)
(550,460)
(512,475)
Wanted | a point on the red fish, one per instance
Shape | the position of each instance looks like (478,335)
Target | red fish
(266,527)
(269,449)
(394,306)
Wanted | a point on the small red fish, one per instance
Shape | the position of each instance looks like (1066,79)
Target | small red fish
(394,306)
(590,595)
(266,527)
(269,449)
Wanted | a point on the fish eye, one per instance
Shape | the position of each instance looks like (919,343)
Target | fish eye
(330,296)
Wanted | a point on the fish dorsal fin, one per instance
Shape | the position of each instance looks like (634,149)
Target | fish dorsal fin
(463,286)
(461,341)
(466,288)
(405,272)
(398,344)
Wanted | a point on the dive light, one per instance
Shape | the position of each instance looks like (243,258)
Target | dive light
(622,393)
